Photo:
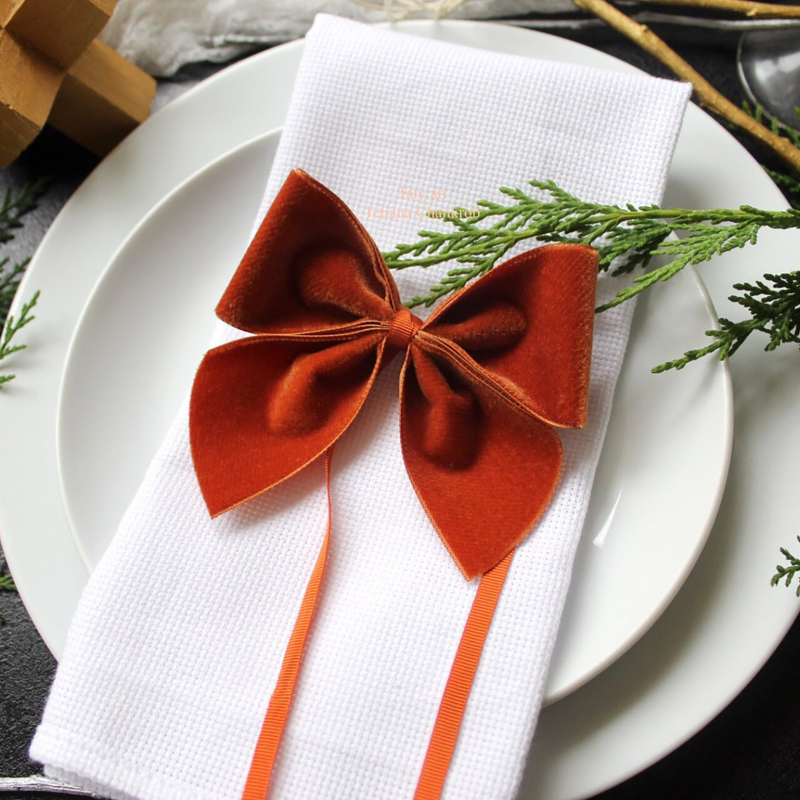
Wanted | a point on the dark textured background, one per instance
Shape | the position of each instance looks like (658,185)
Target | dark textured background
(751,751)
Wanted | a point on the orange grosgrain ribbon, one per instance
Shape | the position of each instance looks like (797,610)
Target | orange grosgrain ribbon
(484,383)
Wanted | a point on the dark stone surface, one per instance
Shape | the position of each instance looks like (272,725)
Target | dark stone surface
(749,752)
(26,671)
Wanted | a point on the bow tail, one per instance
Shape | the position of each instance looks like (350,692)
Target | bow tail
(484,468)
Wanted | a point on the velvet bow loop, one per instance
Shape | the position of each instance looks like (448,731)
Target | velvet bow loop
(484,380)
(315,292)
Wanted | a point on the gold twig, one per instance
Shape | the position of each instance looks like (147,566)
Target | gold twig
(749,8)
(708,96)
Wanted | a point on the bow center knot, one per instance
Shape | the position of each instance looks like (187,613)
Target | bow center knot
(403,329)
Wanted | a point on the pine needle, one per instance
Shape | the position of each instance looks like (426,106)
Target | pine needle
(6,585)
(786,574)
(774,306)
(13,208)
(12,328)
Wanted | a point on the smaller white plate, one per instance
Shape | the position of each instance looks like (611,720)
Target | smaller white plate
(149,319)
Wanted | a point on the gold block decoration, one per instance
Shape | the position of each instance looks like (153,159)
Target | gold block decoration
(54,69)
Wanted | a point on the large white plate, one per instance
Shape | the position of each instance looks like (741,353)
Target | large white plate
(125,380)
(724,623)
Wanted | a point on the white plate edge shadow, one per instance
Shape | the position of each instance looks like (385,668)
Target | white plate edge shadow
(725,445)
(600,594)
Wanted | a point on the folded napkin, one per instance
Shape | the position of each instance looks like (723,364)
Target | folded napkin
(178,640)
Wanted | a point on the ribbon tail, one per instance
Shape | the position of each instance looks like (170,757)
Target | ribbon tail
(462,674)
(454,699)
(266,751)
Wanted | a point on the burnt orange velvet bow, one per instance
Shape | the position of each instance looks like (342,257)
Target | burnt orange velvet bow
(484,380)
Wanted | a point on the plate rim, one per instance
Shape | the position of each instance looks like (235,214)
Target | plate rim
(97,288)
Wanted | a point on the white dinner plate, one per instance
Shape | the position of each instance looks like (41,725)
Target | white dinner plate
(125,380)
(722,625)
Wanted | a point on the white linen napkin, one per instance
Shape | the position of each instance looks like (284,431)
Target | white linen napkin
(176,645)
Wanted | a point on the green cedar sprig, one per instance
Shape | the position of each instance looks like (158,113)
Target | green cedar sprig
(12,210)
(14,207)
(9,281)
(789,183)
(786,574)
(6,585)
(627,238)
(774,310)
(12,328)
